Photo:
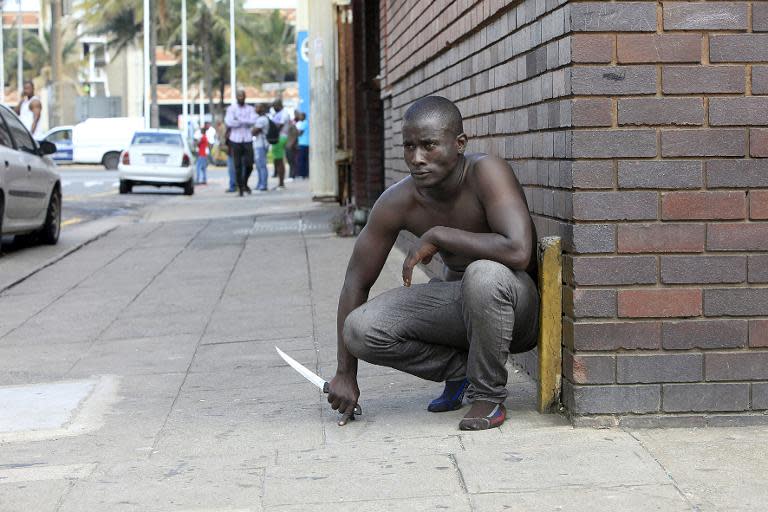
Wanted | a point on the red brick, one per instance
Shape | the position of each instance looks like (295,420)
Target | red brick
(758,142)
(592,48)
(758,204)
(656,174)
(655,303)
(719,205)
(705,15)
(635,238)
(715,142)
(592,174)
(613,143)
(610,80)
(737,173)
(591,303)
(643,48)
(613,17)
(589,369)
(758,333)
(706,397)
(703,79)
(586,112)
(737,236)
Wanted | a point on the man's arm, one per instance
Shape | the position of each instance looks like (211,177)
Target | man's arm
(368,256)
(37,108)
(510,242)
(230,120)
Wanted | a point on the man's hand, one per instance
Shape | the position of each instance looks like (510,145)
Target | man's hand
(422,254)
(343,394)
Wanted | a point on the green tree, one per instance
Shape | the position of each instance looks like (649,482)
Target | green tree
(269,50)
(122,22)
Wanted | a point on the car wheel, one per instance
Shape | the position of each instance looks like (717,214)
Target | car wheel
(52,227)
(125,187)
(189,187)
(111,160)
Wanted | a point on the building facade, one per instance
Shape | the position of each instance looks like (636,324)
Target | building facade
(639,130)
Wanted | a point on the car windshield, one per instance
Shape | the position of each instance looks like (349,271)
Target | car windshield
(170,139)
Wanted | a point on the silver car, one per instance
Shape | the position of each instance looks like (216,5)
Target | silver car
(156,157)
(30,189)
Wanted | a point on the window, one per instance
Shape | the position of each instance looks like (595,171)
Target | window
(60,136)
(170,139)
(5,137)
(20,134)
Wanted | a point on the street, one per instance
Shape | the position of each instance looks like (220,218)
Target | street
(138,372)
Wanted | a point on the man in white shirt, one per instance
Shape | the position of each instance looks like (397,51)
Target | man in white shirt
(260,145)
(282,119)
(240,119)
(30,109)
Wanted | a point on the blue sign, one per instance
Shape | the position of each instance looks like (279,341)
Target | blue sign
(302,60)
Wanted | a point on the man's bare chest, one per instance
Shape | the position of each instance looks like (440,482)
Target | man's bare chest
(465,213)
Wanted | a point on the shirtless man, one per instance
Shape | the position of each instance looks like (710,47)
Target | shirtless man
(471,210)
(29,110)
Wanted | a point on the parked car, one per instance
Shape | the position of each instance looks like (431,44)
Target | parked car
(159,158)
(94,141)
(30,189)
(62,137)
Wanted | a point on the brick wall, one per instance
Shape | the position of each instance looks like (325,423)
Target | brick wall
(639,130)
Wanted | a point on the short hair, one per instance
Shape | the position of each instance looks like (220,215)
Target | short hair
(438,107)
(29,82)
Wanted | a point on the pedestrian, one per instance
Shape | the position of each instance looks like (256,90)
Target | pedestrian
(302,151)
(240,119)
(261,146)
(202,156)
(290,146)
(281,119)
(30,109)
(470,208)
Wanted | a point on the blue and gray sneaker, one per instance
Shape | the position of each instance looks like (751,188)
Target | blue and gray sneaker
(452,397)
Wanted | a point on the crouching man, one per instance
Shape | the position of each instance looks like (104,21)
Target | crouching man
(471,210)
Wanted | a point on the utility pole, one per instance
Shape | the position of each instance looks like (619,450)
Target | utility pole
(2,55)
(154,107)
(19,53)
(184,91)
(232,68)
(146,64)
(56,64)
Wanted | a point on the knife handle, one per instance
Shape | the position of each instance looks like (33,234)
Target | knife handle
(358,409)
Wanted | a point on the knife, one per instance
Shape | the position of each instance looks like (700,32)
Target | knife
(313,378)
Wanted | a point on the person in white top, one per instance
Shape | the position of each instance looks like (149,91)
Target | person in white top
(29,110)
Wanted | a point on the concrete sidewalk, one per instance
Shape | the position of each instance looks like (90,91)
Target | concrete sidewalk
(139,373)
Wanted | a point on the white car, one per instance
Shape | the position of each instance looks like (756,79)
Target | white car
(158,158)
(30,189)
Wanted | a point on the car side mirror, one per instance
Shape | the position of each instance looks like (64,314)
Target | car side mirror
(47,147)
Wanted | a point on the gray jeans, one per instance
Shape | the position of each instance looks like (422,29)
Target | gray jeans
(447,330)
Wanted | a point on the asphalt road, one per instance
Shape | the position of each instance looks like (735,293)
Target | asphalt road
(91,192)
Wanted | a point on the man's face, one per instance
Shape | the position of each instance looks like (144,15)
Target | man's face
(260,109)
(240,97)
(29,90)
(278,106)
(430,151)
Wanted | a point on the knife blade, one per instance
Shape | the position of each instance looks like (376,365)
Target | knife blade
(312,377)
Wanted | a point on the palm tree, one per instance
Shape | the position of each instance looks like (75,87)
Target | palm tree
(37,57)
(269,53)
(122,22)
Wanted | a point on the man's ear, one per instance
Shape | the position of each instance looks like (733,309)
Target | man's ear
(461,142)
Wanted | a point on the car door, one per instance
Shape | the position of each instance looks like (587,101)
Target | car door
(32,189)
(63,140)
(13,179)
